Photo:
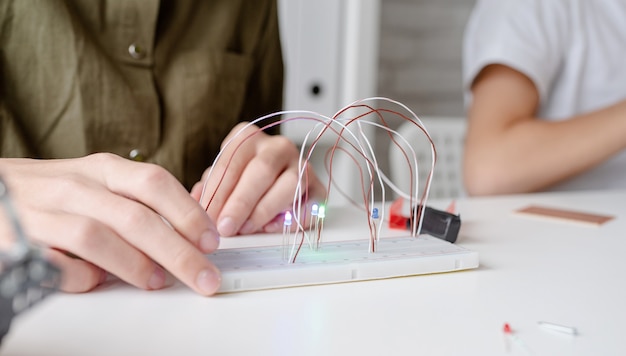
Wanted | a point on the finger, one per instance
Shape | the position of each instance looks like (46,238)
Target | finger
(145,230)
(104,192)
(275,201)
(157,189)
(279,198)
(260,174)
(93,241)
(228,169)
(240,130)
(77,276)
(275,225)
(196,191)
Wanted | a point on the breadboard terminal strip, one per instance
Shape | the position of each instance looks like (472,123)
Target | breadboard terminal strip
(245,269)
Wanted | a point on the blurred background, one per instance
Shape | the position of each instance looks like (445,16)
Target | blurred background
(407,50)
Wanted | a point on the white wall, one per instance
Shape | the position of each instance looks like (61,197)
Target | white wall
(407,50)
(420,54)
(331,51)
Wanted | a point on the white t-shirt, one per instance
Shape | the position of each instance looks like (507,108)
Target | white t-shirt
(573,50)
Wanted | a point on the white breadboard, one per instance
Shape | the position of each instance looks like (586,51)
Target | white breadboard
(245,269)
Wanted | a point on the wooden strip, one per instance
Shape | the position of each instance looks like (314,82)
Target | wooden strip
(565,214)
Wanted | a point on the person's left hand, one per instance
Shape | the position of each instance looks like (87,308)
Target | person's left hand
(258,184)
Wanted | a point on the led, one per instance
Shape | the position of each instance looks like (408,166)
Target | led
(314,209)
(508,331)
(287,221)
(322,212)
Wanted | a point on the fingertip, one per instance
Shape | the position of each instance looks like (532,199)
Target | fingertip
(273,227)
(157,279)
(209,241)
(248,228)
(196,191)
(77,276)
(103,276)
(208,281)
(227,226)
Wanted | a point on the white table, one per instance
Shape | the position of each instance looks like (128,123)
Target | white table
(531,270)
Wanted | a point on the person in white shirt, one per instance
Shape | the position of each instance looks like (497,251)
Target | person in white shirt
(545,87)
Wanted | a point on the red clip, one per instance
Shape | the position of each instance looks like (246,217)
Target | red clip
(396,220)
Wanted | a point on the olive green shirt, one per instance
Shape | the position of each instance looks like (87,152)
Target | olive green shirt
(158,80)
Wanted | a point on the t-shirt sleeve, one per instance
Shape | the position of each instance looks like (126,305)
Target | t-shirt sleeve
(526,35)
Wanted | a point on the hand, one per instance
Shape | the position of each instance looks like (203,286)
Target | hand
(258,185)
(108,214)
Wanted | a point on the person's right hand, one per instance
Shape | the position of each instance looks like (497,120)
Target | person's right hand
(103,213)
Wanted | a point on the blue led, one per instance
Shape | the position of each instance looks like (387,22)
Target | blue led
(375,213)
(314,209)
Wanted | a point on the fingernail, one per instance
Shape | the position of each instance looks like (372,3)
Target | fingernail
(247,228)
(226,227)
(157,280)
(208,281)
(209,241)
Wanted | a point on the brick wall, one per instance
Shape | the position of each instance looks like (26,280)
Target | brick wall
(420,54)
(420,59)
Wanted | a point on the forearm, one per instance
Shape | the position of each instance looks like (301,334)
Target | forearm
(532,154)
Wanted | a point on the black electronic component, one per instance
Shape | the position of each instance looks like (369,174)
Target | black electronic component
(439,223)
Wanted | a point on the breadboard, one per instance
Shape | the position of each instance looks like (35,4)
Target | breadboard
(245,269)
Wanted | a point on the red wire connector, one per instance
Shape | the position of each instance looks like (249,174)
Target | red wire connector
(396,219)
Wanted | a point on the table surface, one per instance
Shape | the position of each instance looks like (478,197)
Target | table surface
(531,270)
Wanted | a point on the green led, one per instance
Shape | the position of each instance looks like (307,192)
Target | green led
(321,212)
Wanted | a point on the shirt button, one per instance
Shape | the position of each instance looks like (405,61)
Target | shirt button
(136,155)
(136,51)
